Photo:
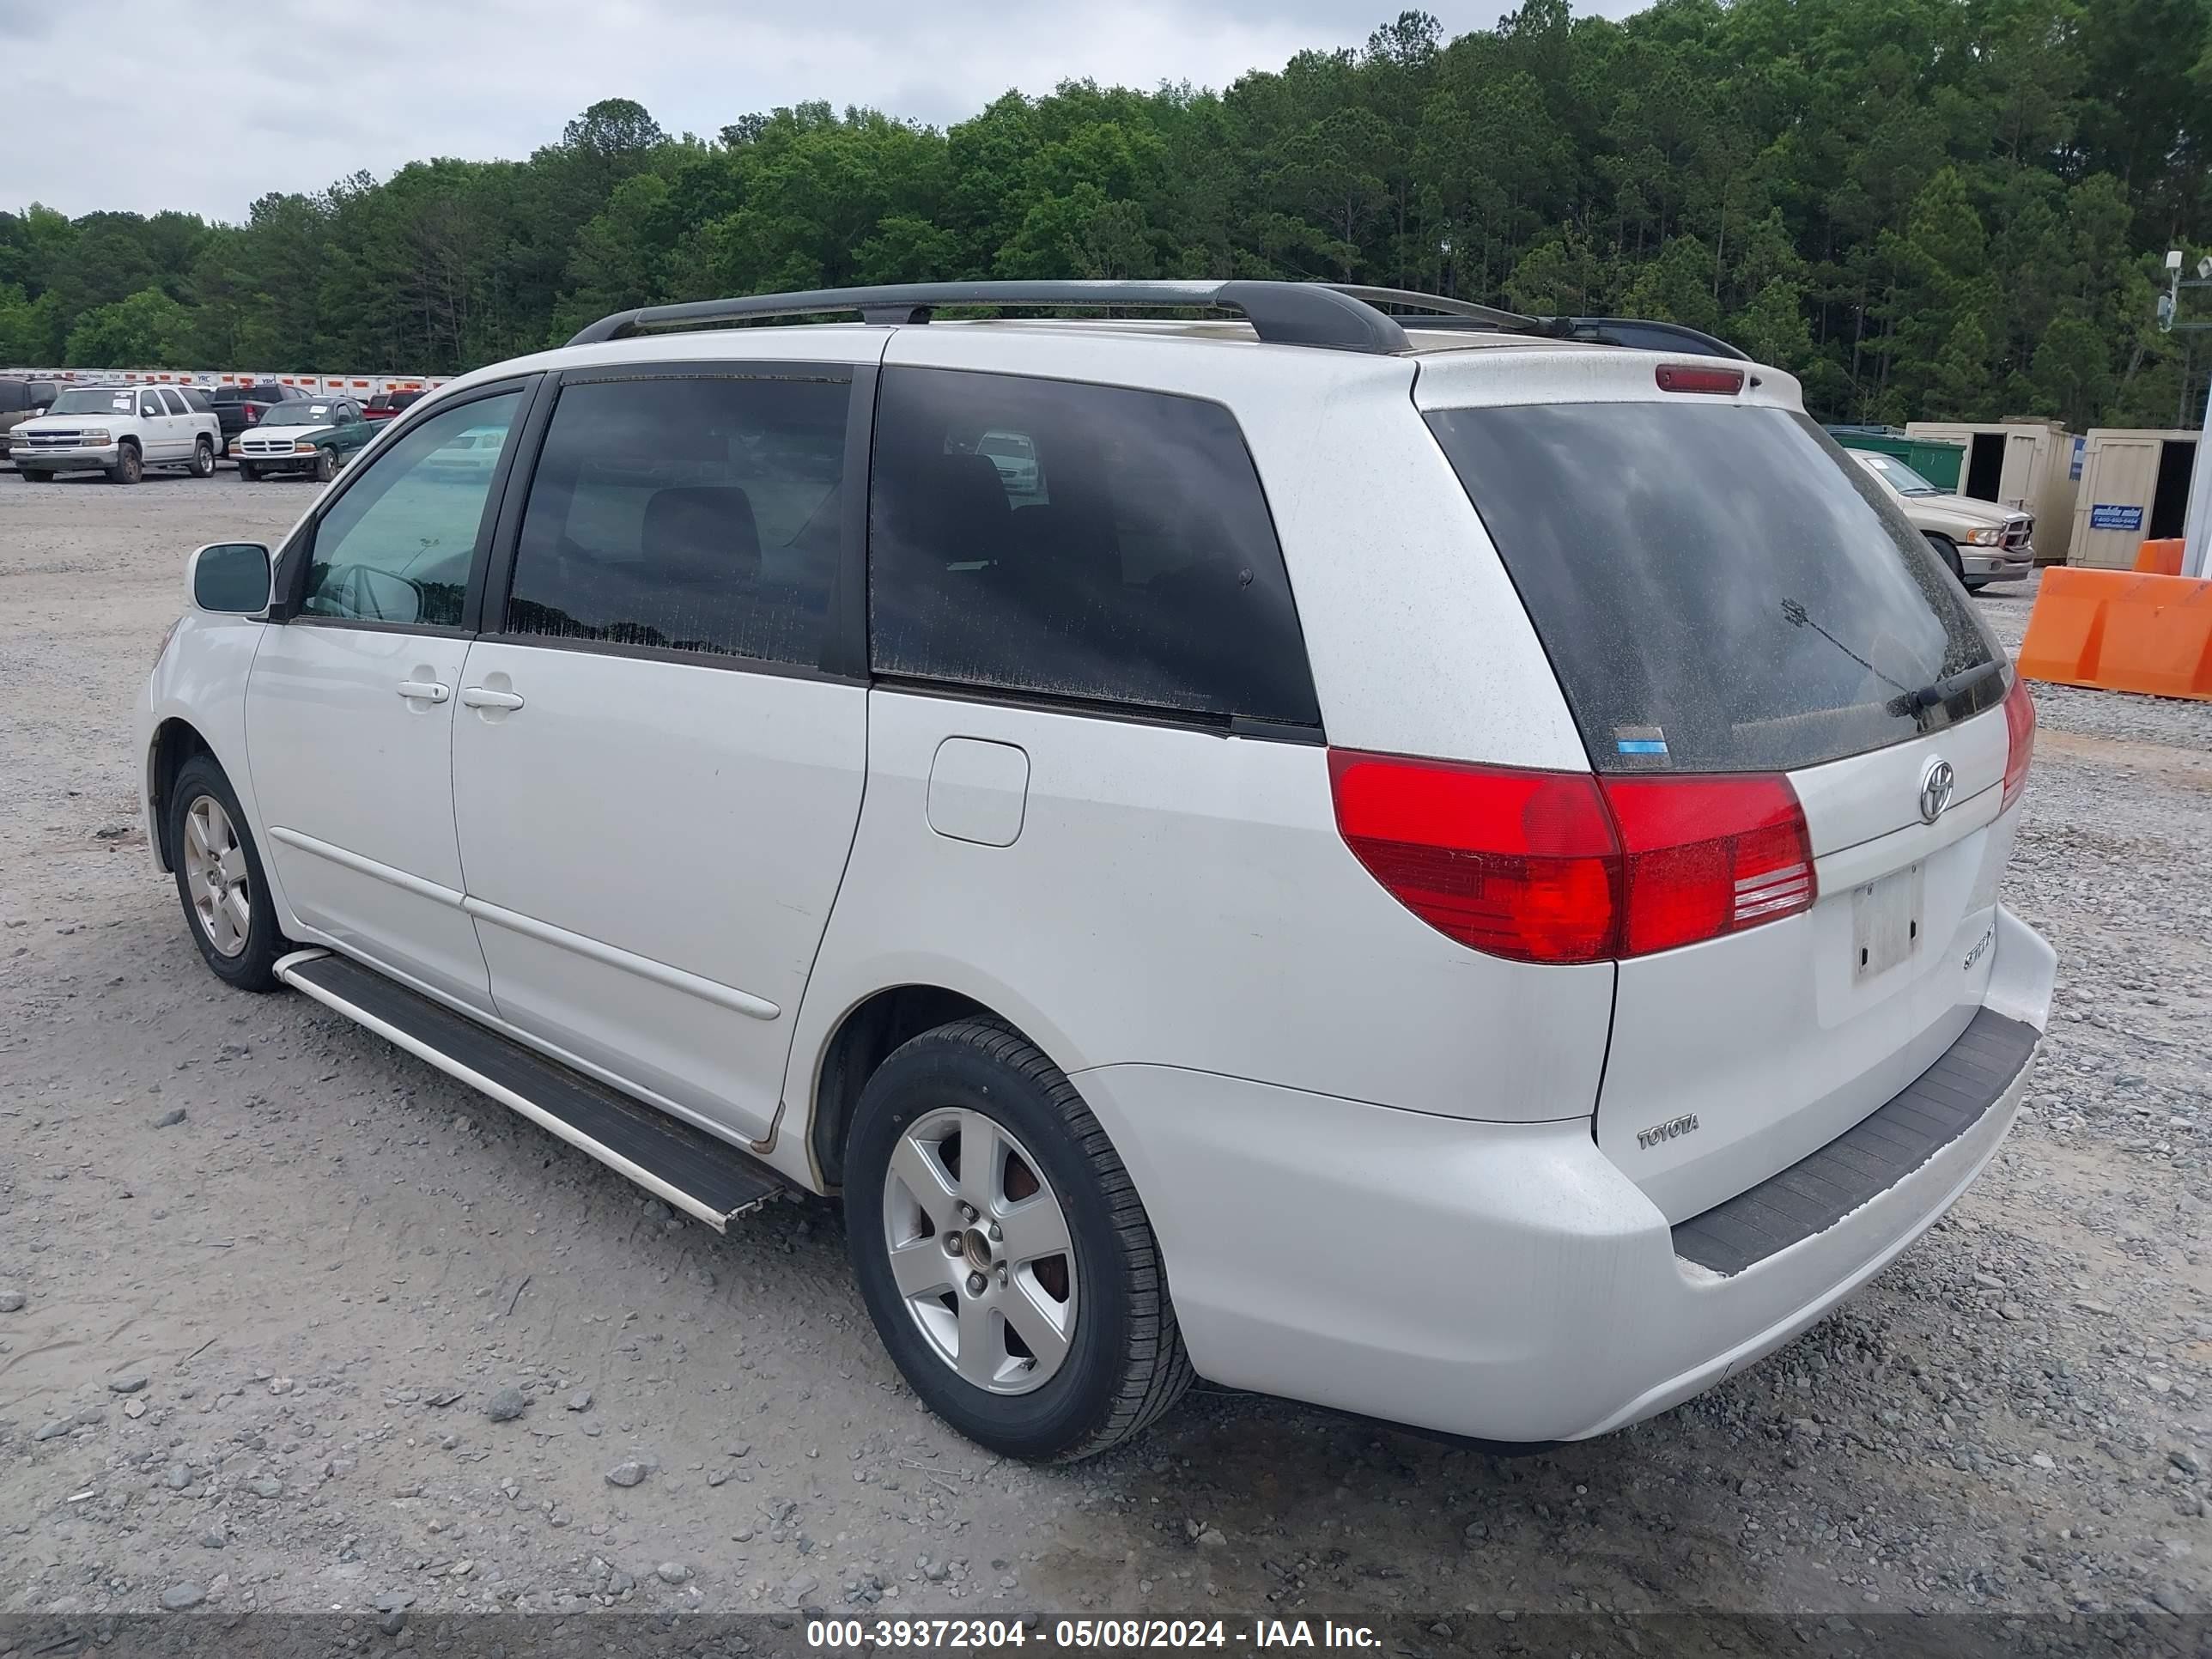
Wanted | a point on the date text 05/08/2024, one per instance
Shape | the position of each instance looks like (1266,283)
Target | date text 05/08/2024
(832,1634)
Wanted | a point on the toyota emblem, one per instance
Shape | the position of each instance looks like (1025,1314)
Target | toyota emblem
(1935,790)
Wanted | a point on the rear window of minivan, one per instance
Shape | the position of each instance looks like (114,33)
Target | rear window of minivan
(1718,588)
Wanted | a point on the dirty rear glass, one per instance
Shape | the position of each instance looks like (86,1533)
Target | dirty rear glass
(1719,589)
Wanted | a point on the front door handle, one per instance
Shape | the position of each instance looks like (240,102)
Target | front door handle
(478,696)
(427,690)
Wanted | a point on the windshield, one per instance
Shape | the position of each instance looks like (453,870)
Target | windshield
(1901,478)
(298,414)
(94,400)
(1720,589)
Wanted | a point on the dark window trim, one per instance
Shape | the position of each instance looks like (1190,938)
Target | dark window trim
(495,559)
(301,548)
(1125,714)
(839,661)
(721,660)
(364,624)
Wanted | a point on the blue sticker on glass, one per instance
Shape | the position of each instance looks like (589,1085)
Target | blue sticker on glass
(1644,742)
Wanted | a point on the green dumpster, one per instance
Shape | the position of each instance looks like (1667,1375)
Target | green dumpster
(1939,463)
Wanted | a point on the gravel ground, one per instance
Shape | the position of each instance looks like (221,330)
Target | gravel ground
(290,1321)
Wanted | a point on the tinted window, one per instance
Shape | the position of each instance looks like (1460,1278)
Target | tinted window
(149,405)
(196,401)
(1719,587)
(397,546)
(687,514)
(1077,541)
(15,396)
(175,403)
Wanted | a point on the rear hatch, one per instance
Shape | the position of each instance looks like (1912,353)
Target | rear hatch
(1722,593)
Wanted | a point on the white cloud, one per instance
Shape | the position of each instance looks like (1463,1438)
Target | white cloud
(290,96)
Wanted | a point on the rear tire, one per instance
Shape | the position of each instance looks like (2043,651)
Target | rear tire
(327,465)
(1108,1358)
(203,459)
(129,466)
(219,880)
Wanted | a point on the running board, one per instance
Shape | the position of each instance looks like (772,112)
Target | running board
(686,1167)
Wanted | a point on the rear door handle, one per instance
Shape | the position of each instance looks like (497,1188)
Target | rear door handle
(427,690)
(478,696)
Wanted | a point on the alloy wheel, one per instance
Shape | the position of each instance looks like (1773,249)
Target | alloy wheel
(215,877)
(980,1250)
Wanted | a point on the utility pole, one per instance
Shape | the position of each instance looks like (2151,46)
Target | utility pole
(2196,534)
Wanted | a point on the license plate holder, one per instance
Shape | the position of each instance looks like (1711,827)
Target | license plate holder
(1886,918)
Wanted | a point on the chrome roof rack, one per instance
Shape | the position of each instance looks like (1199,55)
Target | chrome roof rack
(1284,313)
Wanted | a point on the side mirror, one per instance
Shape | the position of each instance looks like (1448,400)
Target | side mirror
(229,578)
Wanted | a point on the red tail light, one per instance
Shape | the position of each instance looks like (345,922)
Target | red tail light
(1708,856)
(1682,377)
(2019,740)
(251,413)
(1565,866)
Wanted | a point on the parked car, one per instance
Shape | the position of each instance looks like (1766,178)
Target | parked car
(120,430)
(311,437)
(1337,901)
(1015,457)
(20,400)
(241,406)
(383,405)
(1980,542)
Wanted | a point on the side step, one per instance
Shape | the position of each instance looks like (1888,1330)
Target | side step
(690,1169)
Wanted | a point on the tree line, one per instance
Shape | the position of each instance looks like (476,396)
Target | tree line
(1922,208)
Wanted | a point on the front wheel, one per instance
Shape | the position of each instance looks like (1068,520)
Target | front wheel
(248,472)
(1002,1252)
(327,465)
(1948,551)
(203,459)
(219,879)
(129,468)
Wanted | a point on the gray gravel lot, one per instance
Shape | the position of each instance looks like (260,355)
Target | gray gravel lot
(261,1275)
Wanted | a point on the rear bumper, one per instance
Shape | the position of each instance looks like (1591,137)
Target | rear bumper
(1502,1281)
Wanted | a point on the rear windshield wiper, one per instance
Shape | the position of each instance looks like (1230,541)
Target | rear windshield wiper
(1918,703)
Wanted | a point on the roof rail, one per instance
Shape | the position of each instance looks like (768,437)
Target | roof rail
(1287,313)
(1635,332)
(1508,322)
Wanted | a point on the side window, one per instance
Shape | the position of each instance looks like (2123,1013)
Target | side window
(687,514)
(150,406)
(397,546)
(175,402)
(1082,541)
(198,402)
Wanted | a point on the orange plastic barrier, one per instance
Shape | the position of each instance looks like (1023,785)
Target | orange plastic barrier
(2160,558)
(2123,632)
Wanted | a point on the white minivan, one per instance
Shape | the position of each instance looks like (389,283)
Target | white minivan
(1413,864)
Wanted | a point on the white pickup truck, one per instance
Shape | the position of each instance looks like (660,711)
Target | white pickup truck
(121,431)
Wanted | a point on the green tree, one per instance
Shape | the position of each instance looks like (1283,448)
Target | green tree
(148,329)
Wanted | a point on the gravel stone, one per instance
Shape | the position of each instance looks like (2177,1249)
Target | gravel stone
(626,1473)
(178,1597)
(11,1301)
(170,1119)
(507,1405)
(128,1383)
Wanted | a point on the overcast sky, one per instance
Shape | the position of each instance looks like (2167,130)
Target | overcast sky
(245,99)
